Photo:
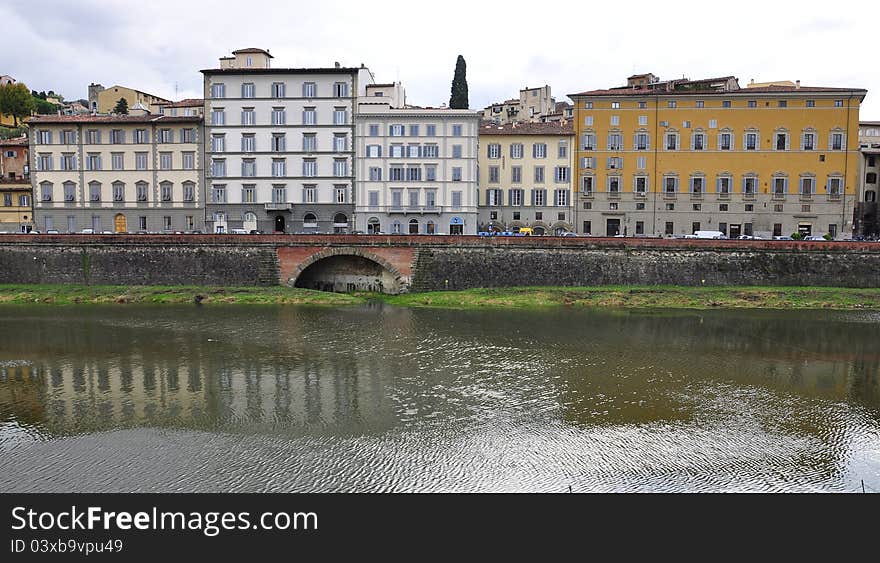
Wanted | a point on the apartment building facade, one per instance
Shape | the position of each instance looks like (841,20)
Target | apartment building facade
(123,173)
(526,177)
(533,105)
(16,202)
(279,145)
(867,218)
(416,168)
(670,158)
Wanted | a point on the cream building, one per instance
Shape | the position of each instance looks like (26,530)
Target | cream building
(533,105)
(279,144)
(526,177)
(416,168)
(103,100)
(117,173)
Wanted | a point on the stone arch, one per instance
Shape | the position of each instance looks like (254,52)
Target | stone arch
(386,278)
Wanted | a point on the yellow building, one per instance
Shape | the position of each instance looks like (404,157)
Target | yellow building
(659,158)
(526,177)
(16,204)
(107,98)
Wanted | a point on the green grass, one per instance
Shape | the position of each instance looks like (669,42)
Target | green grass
(178,294)
(637,297)
(623,297)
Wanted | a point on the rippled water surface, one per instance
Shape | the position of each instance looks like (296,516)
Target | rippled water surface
(387,399)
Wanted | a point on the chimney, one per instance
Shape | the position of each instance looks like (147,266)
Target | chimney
(797,84)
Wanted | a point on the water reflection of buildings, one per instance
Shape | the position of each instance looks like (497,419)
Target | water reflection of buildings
(60,398)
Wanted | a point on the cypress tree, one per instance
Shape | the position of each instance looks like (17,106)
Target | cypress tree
(459,97)
(121,107)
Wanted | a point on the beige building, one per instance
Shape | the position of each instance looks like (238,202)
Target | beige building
(533,105)
(415,167)
(16,210)
(103,100)
(121,173)
(526,177)
(190,107)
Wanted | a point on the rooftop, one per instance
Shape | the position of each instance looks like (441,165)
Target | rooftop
(187,103)
(548,128)
(327,70)
(14,142)
(722,85)
(150,118)
(252,50)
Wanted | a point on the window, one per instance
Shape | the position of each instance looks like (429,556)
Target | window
(187,135)
(838,103)
(218,143)
(247,90)
(561,198)
(166,136)
(780,186)
(670,185)
(494,174)
(456,151)
(165,161)
(456,130)
(515,198)
(93,137)
(725,103)
(431,130)
(749,185)
(310,116)
(697,185)
(340,116)
(516,175)
(373,199)
(641,185)
(671,141)
(615,141)
(94,192)
(414,173)
(93,161)
(562,174)
(588,162)
(218,90)
(615,105)
(587,183)
(723,185)
(189,160)
(494,150)
(669,228)
(45,138)
(218,117)
(836,141)
(430,172)
(310,90)
(588,120)
(279,116)
(615,163)
(700,104)
(413,130)
(310,167)
(588,142)
(117,136)
(539,174)
(309,142)
(539,198)
(725,141)
(68,161)
(340,167)
(749,207)
(165,189)
(248,193)
(783,103)
(44,162)
(751,141)
(456,174)
(189,192)
(118,191)
(539,150)
(279,167)
(340,193)
(781,141)
(641,162)
(248,167)
(778,208)
(723,207)
(141,191)
(642,142)
(396,130)
(340,90)
(309,193)
(277,90)
(279,193)
(671,104)
(218,168)
(752,103)
(808,141)
(279,142)
(588,105)
(613,185)
(140,161)
(494,198)
(218,193)
(698,141)
(834,185)
(713,124)
(808,187)
(248,142)
(615,120)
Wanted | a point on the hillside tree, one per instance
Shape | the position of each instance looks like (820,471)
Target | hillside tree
(16,100)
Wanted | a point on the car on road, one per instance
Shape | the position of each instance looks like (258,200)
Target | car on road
(783,237)
(815,238)
(748,237)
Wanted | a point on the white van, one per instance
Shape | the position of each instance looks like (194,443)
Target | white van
(709,234)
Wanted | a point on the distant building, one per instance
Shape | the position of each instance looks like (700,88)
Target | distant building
(121,173)
(526,177)
(16,202)
(533,105)
(105,99)
(6,79)
(186,108)
(416,166)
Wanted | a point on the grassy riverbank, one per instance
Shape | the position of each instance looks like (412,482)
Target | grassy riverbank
(624,297)
(178,294)
(667,297)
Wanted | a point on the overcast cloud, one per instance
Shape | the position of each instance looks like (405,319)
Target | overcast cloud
(155,45)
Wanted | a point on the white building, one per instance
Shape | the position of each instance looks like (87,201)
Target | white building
(416,168)
(278,147)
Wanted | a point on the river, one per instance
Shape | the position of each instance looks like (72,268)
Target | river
(380,398)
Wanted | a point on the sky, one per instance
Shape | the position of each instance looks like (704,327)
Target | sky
(159,46)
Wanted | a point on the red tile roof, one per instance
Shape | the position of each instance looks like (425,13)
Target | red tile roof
(150,118)
(252,50)
(187,103)
(547,128)
(14,142)
(625,91)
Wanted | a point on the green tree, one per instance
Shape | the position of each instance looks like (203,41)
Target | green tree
(16,100)
(45,108)
(121,107)
(459,97)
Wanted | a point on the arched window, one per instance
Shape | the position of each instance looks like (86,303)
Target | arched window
(340,220)
(373,226)
(413,226)
(310,220)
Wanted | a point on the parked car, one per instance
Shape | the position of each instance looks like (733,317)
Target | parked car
(87,232)
(815,238)
(568,234)
(783,237)
(748,237)
(709,234)
(52,232)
